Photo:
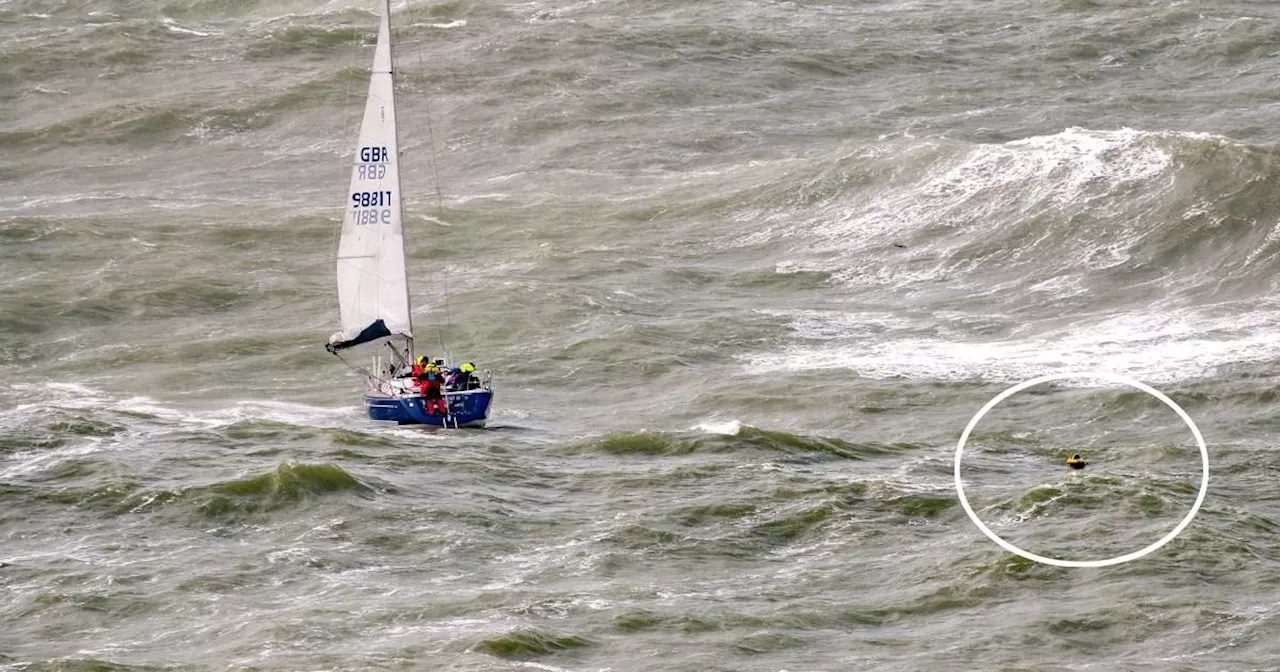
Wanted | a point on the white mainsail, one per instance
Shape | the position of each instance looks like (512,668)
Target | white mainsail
(373,287)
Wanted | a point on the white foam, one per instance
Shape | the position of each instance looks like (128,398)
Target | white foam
(75,396)
(536,11)
(1065,168)
(543,666)
(457,23)
(1156,347)
(40,398)
(66,395)
(728,428)
(72,198)
(285,413)
(1060,287)
(986,188)
(834,324)
(175,28)
(29,462)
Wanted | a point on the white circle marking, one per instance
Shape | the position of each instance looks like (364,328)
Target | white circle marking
(1097,375)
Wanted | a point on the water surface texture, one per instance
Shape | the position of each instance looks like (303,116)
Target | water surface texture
(743,271)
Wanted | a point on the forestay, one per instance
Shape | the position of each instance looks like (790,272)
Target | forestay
(373,290)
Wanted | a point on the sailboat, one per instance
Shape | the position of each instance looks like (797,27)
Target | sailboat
(373,282)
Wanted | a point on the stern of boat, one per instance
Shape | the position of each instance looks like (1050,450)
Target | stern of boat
(469,408)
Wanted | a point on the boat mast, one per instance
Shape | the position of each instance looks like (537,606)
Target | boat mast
(399,186)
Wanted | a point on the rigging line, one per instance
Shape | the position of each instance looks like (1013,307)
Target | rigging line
(435,175)
(360,369)
(370,374)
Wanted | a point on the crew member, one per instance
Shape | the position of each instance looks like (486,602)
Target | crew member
(464,376)
(429,387)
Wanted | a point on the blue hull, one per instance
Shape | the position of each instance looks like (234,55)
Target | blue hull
(466,409)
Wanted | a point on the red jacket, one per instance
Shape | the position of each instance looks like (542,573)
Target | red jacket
(428,384)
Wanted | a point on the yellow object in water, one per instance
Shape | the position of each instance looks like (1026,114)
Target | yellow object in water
(1076,462)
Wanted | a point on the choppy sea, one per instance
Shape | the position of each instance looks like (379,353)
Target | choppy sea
(742,271)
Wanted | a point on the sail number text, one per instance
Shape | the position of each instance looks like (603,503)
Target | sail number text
(374,155)
(370,199)
(366,216)
(373,163)
(372,207)
(374,171)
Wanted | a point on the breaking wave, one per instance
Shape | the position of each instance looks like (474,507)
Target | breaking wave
(744,439)
(289,485)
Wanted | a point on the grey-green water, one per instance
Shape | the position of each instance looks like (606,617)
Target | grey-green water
(743,272)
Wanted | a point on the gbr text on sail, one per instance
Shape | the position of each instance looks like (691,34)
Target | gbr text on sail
(372,207)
